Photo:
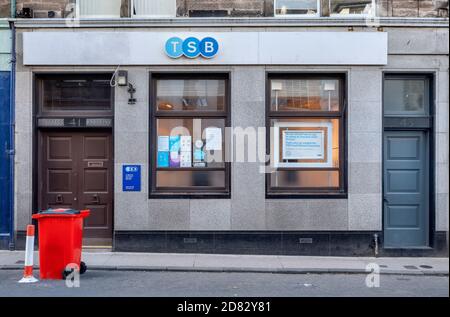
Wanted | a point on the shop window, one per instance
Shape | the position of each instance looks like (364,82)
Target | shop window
(297,7)
(306,116)
(406,95)
(189,113)
(347,8)
(74,92)
(98,8)
(154,8)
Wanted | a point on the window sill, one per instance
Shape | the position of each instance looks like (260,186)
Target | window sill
(272,195)
(205,195)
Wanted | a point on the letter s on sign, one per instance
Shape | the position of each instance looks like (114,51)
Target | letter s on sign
(191,47)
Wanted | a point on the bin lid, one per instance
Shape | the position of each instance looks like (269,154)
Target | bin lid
(61,212)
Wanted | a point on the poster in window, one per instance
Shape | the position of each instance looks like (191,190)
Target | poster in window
(303,144)
(213,138)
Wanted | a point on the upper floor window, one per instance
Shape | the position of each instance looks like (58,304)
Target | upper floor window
(351,7)
(154,8)
(297,7)
(98,8)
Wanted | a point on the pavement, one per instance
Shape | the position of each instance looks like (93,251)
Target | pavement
(119,261)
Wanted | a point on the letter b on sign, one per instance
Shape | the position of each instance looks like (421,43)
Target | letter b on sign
(191,47)
(209,47)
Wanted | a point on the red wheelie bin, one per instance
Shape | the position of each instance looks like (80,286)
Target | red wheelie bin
(60,238)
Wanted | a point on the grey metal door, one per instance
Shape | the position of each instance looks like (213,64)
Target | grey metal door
(406,189)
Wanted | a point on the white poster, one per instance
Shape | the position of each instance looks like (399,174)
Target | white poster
(163,143)
(186,159)
(213,138)
(185,143)
(303,145)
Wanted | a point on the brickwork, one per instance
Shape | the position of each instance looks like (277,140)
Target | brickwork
(413,8)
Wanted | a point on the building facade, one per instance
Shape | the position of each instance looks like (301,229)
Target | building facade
(281,127)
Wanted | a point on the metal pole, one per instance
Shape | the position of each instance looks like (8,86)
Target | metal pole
(13,9)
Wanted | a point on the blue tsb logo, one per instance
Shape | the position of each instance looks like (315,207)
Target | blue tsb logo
(192,47)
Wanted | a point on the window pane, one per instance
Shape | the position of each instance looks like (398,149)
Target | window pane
(190,95)
(99,8)
(305,143)
(305,94)
(284,7)
(190,179)
(189,142)
(305,179)
(73,93)
(155,8)
(405,96)
(346,7)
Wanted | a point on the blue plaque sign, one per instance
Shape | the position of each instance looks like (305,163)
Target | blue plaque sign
(131,178)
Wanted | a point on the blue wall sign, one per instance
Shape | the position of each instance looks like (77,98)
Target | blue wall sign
(192,47)
(131,178)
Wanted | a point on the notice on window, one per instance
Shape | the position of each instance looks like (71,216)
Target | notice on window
(163,143)
(213,138)
(305,145)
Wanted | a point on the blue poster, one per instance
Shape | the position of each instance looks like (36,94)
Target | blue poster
(163,159)
(131,178)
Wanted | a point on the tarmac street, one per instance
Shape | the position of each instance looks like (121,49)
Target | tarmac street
(208,284)
(215,275)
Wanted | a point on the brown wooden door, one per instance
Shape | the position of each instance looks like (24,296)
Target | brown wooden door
(76,171)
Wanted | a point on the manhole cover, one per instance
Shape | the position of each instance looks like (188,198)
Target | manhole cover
(411,267)
(383,266)
(20,262)
(426,266)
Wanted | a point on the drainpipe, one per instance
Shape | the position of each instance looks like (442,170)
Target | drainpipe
(13,9)
(12,130)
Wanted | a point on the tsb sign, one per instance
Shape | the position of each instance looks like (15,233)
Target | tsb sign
(192,47)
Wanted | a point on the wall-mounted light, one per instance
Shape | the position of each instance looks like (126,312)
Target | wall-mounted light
(122,78)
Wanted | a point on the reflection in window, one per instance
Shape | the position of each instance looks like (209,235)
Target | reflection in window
(191,94)
(75,92)
(305,95)
(349,7)
(403,95)
(296,7)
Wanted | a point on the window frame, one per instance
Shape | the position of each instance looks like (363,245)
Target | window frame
(318,14)
(144,16)
(341,115)
(196,192)
(359,15)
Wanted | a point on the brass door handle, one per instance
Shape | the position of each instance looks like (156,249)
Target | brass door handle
(59,199)
(96,199)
